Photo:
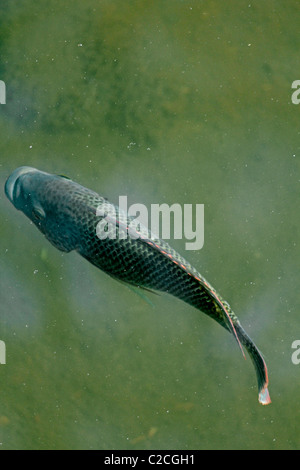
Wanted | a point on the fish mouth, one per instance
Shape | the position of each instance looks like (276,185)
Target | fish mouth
(12,179)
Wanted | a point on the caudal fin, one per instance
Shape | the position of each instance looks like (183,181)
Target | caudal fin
(259,365)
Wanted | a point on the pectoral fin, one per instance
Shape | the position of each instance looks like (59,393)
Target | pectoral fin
(139,290)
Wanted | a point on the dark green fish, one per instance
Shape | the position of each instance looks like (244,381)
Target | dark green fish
(68,215)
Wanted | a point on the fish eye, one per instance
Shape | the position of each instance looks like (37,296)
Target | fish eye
(38,213)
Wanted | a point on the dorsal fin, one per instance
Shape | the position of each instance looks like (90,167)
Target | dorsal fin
(192,272)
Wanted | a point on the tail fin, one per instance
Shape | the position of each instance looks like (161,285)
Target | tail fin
(259,364)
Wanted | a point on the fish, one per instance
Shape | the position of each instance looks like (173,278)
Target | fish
(68,215)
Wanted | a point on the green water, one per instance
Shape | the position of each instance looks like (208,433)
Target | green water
(162,101)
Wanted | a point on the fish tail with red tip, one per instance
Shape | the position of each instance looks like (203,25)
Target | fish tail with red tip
(259,364)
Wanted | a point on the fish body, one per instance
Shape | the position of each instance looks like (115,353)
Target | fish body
(68,215)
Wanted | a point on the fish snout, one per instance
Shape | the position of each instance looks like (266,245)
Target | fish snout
(11,181)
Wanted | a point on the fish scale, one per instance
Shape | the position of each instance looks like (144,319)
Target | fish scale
(68,215)
(140,262)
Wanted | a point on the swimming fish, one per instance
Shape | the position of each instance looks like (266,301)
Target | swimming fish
(68,215)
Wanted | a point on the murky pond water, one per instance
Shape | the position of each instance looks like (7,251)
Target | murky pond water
(166,102)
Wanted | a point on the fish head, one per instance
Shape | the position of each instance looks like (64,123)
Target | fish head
(43,198)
